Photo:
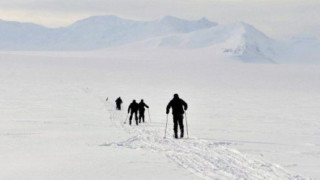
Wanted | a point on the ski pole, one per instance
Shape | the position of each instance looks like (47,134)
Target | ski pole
(165,131)
(149,115)
(187,124)
(126,119)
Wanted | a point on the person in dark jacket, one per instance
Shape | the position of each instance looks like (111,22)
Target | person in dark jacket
(118,103)
(142,106)
(133,109)
(178,107)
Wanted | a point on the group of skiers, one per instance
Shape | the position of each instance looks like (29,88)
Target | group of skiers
(177,105)
(135,109)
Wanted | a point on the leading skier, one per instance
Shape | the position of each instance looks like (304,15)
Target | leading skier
(178,107)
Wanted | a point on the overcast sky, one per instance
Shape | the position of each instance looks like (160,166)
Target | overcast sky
(277,18)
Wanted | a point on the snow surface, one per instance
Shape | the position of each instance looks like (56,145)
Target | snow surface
(246,121)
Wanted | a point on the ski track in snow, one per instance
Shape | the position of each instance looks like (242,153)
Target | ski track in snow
(206,159)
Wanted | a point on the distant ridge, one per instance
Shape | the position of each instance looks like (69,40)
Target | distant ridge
(91,33)
(239,40)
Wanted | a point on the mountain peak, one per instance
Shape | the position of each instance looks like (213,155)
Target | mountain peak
(103,20)
(204,19)
(183,25)
(246,28)
(243,25)
(170,19)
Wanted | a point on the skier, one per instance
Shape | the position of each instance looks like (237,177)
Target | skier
(118,103)
(178,107)
(133,109)
(141,110)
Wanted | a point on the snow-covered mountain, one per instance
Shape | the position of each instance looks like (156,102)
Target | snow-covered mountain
(92,33)
(239,40)
(21,36)
(300,50)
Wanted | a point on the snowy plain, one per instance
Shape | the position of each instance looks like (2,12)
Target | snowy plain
(246,121)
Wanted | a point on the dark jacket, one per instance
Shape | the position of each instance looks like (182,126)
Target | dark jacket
(178,106)
(141,106)
(119,101)
(133,107)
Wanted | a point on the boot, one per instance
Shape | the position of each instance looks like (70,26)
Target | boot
(176,135)
(181,135)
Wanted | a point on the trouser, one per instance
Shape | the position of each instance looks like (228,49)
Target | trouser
(135,115)
(141,116)
(178,121)
(118,106)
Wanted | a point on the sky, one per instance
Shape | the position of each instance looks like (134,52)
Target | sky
(276,18)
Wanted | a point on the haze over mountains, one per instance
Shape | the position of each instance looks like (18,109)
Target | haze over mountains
(239,40)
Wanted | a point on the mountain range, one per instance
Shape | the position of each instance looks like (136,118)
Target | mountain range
(239,40)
